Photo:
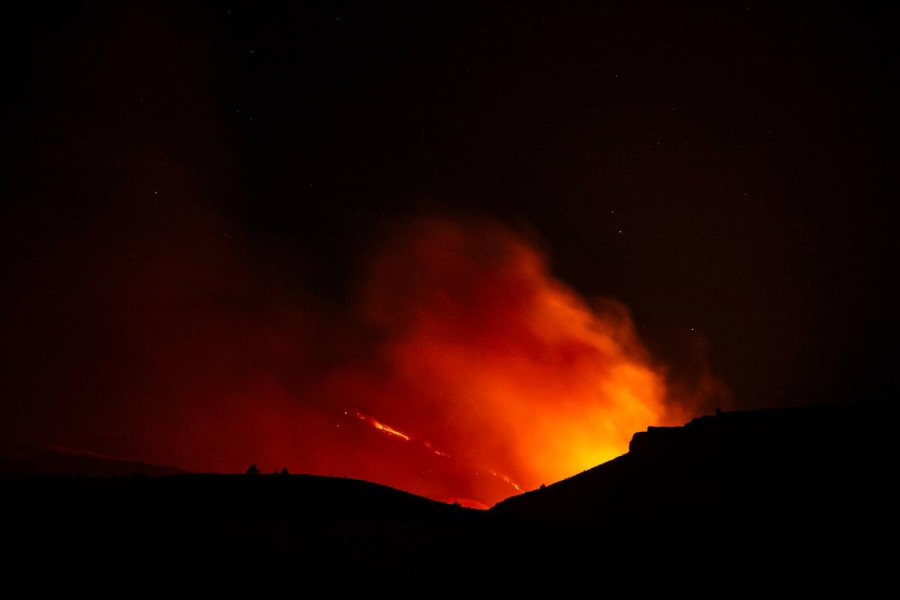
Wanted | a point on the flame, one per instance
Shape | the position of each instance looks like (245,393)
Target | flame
(382,427)
(393,432)
(512,483)
(435,450)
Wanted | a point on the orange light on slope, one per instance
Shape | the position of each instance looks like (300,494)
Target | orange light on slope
(393,432)
(382,427)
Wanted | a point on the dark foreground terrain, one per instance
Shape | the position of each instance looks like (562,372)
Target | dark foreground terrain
(783,503)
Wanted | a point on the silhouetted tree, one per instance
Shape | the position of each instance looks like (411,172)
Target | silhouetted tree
(284,471)
(253,470)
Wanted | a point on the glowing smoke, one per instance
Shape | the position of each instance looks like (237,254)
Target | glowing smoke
(176,347)
(488,357)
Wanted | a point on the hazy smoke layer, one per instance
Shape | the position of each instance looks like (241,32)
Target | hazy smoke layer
(462,368)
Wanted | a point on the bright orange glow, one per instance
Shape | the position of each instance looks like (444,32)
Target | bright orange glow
(382,427)
(391,431)
(476,374)
(503,367)
(512,483)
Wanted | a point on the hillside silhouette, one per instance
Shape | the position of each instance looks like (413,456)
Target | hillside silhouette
(776,501)
(809,471)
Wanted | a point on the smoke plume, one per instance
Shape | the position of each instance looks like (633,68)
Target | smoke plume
(460,368)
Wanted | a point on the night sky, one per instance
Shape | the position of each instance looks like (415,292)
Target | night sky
(193,198)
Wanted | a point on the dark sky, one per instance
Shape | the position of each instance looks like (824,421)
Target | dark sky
(727,173)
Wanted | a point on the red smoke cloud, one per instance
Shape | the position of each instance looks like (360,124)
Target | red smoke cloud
(486,356)
(157,336)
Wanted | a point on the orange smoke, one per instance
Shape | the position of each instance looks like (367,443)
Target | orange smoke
(459,369)
(483,353)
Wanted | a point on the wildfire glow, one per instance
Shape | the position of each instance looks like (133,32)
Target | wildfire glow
(507,480)
(382,427)
(393,432)
(486,355)
(494,376)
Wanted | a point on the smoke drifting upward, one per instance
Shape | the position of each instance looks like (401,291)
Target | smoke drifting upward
(463,368)
(482,353)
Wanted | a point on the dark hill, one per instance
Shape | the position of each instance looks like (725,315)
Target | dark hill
(220,532)
(762,478)
(780,502)
(194,499)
